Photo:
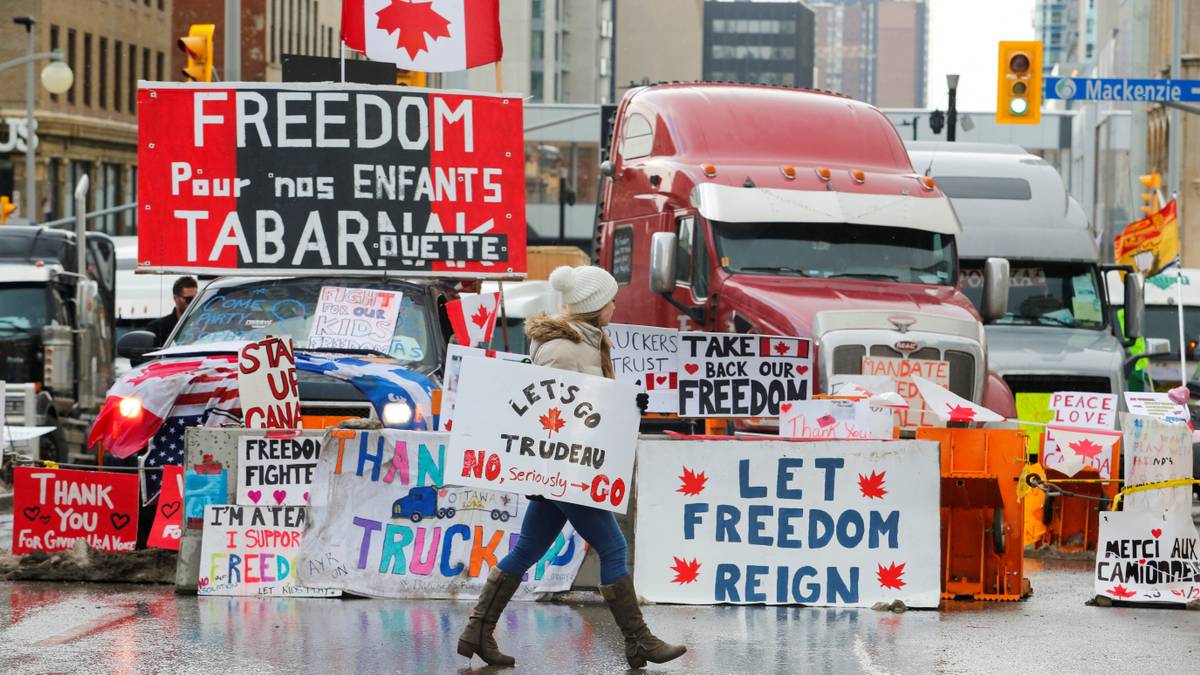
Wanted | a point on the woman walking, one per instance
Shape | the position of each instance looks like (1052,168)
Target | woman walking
(574,341)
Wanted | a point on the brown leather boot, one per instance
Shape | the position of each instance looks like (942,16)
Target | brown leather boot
(640,644)
(477,637)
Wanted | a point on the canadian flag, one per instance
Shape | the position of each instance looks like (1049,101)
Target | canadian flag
(1069,450)
(430,36)
(946,405)
(473,318)
(658,381)
(783,347)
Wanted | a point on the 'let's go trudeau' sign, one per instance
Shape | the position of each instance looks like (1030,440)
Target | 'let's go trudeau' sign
(256,178)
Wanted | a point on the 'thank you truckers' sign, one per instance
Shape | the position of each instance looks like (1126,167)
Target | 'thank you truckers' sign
(254,178)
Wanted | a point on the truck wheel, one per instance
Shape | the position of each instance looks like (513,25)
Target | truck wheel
(495,514)
(450,512)
(53,445)
(415,517)
(504,516)
(441,513)
(998,539)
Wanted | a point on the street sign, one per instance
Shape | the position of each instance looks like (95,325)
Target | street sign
(1122,89)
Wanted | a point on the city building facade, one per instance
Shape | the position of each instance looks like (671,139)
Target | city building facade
(758,42)
(873,50)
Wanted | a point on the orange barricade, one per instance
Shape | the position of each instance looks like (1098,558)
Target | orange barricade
(982,521)
(1072,523)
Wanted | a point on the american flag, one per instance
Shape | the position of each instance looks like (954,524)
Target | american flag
(210,400)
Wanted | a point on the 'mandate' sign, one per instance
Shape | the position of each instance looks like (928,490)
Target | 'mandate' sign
(255,178)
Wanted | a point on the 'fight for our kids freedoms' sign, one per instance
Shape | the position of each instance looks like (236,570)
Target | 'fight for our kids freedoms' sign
(543,431)
(780,522)
(300,178)
(251,550)
(733,375)
(382,524)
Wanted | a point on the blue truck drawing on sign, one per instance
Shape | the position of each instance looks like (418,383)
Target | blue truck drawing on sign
(423,502)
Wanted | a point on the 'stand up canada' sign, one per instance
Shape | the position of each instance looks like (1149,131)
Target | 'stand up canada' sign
(268,385)
(777,522)
(54,508)
(254,178)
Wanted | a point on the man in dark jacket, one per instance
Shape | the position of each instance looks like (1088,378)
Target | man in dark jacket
(184,290)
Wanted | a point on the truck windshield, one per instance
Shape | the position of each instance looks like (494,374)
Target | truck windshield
(1043,293)
(257,309)
(24,308)
(837,251)
(1162,321)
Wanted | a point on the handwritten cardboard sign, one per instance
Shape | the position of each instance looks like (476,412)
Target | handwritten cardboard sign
(834,419)
(1070,450)
(382,524)
(1156,451)
(1084,410)
(1148,556)
(252,550)
(54,508)
(733,375)
(1156,404)
(354,318)
(268,385)
(167,529)
(253,178)
(276,471)
(648,357)
(455,353)
(902,371)
(542,431)
(839,523)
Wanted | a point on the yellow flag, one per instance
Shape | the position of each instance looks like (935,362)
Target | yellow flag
(1151,243)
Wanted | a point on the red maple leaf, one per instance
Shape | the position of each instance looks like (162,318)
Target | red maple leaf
(781,348)
(480,317)
(1086,448)
(692,482)
(685,572)
(552,421)
(1120,591)
(872,486)
(891,576)
(413,20)
(961,413)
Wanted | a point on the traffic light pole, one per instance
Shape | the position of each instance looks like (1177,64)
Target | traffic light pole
(233,41)
(30,136)
(952,110)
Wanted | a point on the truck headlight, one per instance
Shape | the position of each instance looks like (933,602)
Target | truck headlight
(396,414)
(130,407)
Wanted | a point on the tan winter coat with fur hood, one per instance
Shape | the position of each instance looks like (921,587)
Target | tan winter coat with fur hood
(558,342)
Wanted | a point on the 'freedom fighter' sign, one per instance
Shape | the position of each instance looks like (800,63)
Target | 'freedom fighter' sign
(255,178)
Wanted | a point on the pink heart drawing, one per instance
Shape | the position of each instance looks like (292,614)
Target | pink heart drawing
(279,496)
(254,495)
(305,497)
(826,420)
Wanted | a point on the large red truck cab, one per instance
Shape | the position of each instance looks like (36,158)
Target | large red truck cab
(756,209)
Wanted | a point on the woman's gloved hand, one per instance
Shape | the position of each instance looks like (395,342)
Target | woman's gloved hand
(643,402)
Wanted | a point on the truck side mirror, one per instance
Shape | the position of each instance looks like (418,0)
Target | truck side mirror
(662,262)
(995,288)
(1135,305)
(86,295)
(135,344)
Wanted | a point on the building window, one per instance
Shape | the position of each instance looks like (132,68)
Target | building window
(106,196)
(535,85)
(549,164)
(118,74)
(537,9)
(53,189)
(158,66)
(103,73)
(271,29)
(291,29)
(54,47)
(129,218)
(145,63)
(87,69)
(78,169)
(329,41)
(71,63)
(536,51)
(133,79)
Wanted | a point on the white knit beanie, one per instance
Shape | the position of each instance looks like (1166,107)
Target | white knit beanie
(584,289)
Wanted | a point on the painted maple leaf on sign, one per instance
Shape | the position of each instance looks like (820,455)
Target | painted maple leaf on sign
(691,482)
(413,21)
(891,576)
(872,486)
(1121,592)
(480,317)
(552,421)
(781,348)
(960,413)
(685,572)
(1086,448)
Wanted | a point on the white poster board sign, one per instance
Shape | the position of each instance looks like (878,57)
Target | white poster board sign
(543,431)
(1083,409)
(1156,404)
(267,385)
(735,375)
(383,525)
(276,470)
(1156,451)
(834,419)
(252,550)
(1148,556)
(648,357)
(354,318)
(902,371)
(455,353)
(781,522)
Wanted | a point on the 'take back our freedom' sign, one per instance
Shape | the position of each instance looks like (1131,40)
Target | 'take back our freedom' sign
(255,178)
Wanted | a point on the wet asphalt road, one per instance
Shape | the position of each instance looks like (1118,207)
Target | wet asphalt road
(123,628)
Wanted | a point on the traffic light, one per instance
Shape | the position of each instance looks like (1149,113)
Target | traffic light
(198,45)
(6,209)
(937,121)
(1152,197)
(410,78)
(1019,83)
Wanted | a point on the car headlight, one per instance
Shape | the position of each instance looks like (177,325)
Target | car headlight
(130,407)
(397,413)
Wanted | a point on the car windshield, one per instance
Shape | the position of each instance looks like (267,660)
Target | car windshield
(24,308)
(837,251)
(1162,321)
(1043,293)
(255,310)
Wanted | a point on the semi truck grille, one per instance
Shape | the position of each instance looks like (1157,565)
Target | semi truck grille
(1047,384)
(847,360)
(336,410)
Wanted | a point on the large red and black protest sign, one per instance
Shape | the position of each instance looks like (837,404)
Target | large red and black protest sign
(54,508)
(255,178)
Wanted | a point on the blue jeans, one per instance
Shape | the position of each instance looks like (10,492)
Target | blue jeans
(545,519)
